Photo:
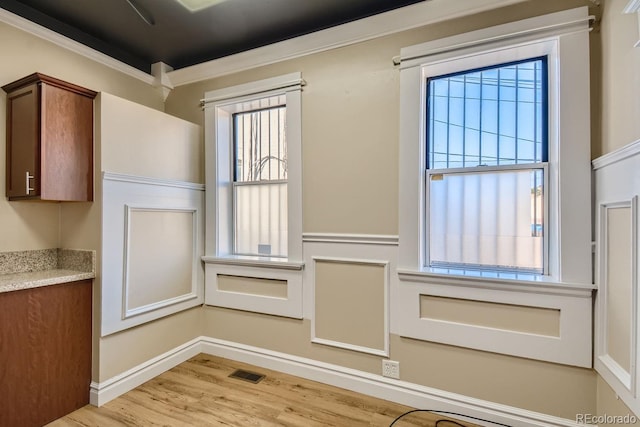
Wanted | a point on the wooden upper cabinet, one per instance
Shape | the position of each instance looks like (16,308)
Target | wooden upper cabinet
(49,140)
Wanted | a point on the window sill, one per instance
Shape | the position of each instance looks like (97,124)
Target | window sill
(254,261)
(518,282)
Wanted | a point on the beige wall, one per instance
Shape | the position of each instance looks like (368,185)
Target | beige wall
(137,140)
(533,320)
(35,225)
(350,302)
(350,121)
(26,225)
(252,286)
(350,169)
(620,77)
(133,139)
(609,403)
(538,386)
(127,349)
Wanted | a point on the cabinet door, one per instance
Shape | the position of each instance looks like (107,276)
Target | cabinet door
(67,145)
(23,153)
(45,353)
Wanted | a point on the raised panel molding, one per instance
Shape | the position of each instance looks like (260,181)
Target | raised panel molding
(122,195)
(572,347)
(365,239)
(128,309)
(616,175)
(290,306)
(363,249)
(315,338)
(605,360)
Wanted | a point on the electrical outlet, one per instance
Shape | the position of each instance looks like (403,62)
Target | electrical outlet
(391,369)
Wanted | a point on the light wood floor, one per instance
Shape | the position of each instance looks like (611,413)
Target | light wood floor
(199,392)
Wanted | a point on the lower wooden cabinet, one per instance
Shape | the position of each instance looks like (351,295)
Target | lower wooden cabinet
(45,353)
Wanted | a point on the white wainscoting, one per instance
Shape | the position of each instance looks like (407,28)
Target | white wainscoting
(573,346)
(152,240)
(617,188)
(291,306)
(159,246)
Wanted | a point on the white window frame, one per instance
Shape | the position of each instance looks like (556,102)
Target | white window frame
(561,37)
(496,56)
(219,107)
(219,259)
(567,287)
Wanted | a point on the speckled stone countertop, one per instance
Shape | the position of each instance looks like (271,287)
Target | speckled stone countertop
(33,269)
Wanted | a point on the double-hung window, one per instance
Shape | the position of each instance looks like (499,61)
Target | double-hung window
(494,153)
(486,177)
(254,185)
(494,188)
(260,180)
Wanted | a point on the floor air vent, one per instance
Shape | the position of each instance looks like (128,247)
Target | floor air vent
(252,377)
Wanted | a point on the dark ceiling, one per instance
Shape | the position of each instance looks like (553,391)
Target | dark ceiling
(142,32)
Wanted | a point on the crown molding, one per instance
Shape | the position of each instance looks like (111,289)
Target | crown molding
(39,31)
(394,21)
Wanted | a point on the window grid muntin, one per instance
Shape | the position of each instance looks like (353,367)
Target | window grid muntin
(540,117)
(540,130)
(240,179)
(238,170)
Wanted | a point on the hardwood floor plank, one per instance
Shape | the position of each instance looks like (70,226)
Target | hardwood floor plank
(199,392)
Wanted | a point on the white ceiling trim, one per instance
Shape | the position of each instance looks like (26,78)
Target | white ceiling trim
(72,45)
(402,19)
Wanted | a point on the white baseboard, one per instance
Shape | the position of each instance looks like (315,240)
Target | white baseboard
(101,393)
(402,392)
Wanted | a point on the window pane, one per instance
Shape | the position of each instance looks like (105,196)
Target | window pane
(260,188)
(494,116)
(487,220)
(260,218)
(260,146)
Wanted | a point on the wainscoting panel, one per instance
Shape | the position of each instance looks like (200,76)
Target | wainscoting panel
(348,283)
(351,297)
(249,285)
(160,246)
(619,284)
(152,243)
(616,176)
(507,317)
(488,315)
(260,289)
(616,347)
